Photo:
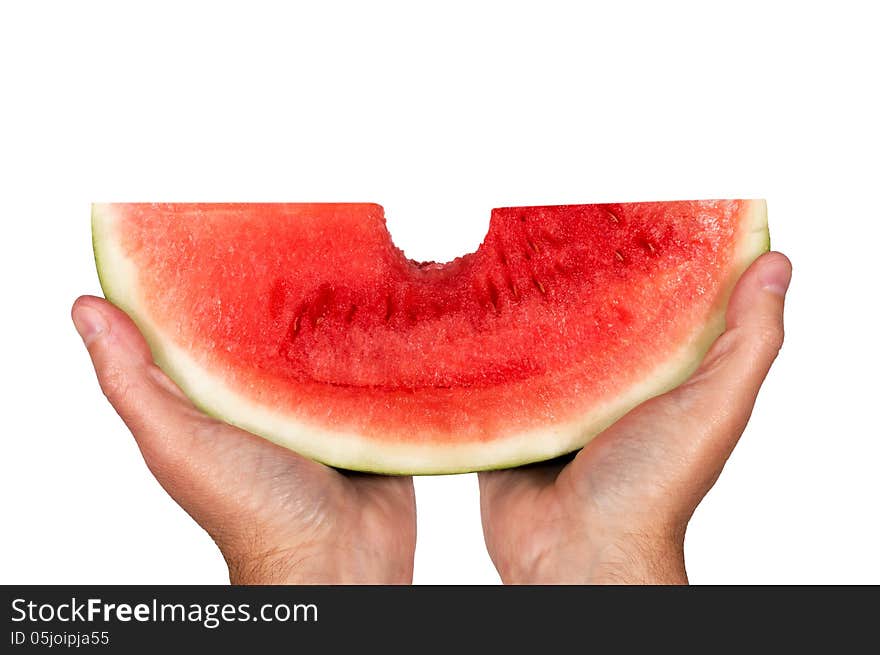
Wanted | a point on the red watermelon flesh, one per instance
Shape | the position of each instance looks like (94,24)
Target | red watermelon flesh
(304,324)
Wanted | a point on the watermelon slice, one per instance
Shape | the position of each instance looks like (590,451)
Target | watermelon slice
(304,324)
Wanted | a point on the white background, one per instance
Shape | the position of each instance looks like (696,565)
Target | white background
(440,114)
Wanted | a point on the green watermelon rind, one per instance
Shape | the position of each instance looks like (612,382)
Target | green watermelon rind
(118,280)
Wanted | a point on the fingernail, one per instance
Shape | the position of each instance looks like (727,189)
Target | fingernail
(89,322)
(776,277)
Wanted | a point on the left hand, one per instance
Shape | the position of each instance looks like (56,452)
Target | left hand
(276,516)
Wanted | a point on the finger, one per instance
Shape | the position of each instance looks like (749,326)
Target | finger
(192,455)
(150,404)
(696,425)
(723,390)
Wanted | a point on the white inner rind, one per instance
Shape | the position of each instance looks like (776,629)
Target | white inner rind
(119,280)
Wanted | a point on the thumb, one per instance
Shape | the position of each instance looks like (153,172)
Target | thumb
(199,461)
(156,411)
(723,390)
(685,436)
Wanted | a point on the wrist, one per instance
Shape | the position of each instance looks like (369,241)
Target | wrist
(642,564)
(321,566)
(635,562)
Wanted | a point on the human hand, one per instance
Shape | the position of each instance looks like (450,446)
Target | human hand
(617,513)
(277,517)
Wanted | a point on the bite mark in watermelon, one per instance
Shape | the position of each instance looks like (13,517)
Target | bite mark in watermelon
(303,323)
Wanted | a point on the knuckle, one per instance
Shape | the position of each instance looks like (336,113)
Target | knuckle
(115,385)
(769,336)
(759,340)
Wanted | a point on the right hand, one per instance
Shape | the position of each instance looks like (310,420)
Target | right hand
(618,512)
